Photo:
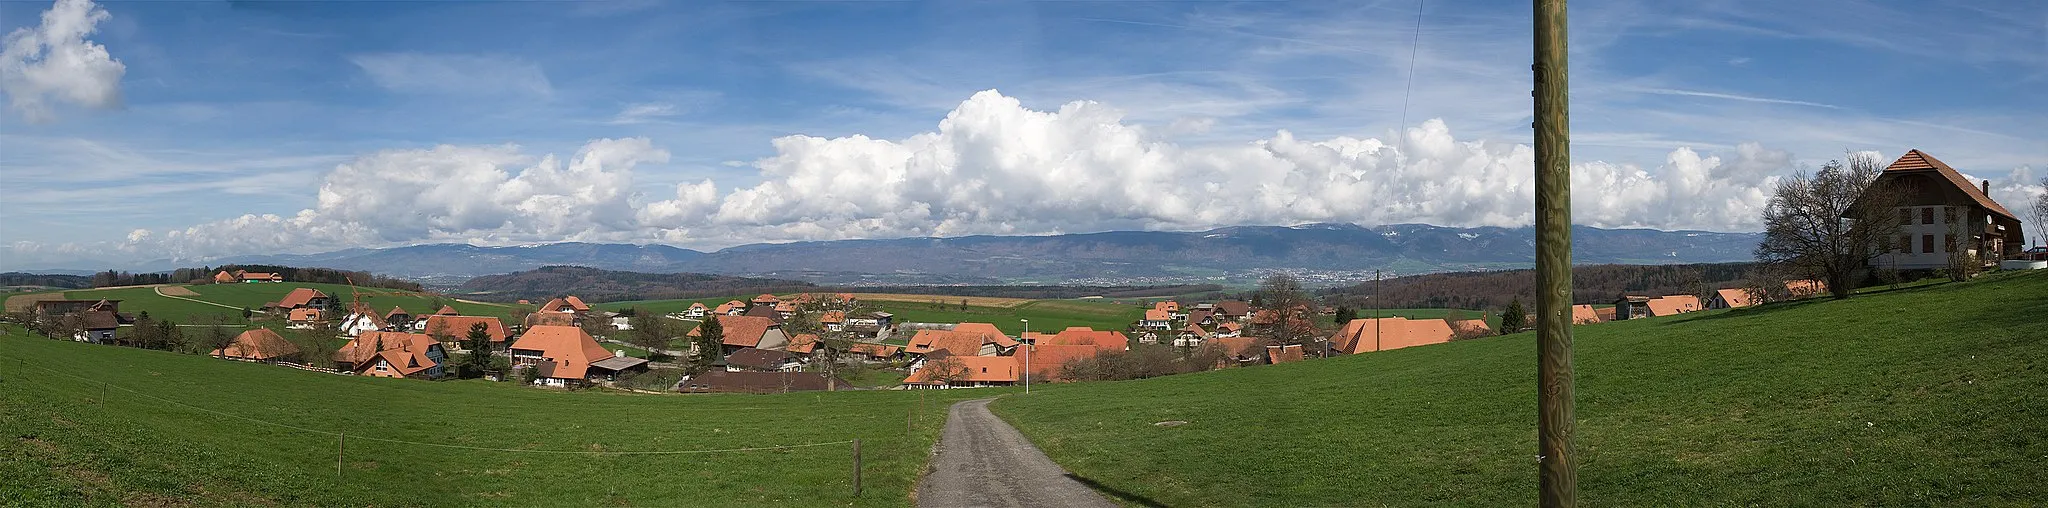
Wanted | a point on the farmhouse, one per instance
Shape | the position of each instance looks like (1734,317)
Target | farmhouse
(949,371)
(731,308)
(833,320)
(97,326)
(747,332)
(697,311)
(1233,310)
(562,355)
(261,345)
(1191,336)
(300,298)
(1229,329)
(1381,334)
(303,318)
(1730,299)
(361,319)
(1941,214)
(719,381)
(398,318)
(392,354)
(1156,319)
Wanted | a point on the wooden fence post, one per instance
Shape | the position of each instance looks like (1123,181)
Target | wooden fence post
(340,443)
(856,467)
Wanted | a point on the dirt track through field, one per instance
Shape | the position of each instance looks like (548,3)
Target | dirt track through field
(983,461)
(160,292)
(176,291)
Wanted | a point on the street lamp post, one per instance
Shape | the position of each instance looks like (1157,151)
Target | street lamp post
(1027,355)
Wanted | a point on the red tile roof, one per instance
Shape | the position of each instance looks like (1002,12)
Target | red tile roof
(803,343)
(258,344)
(975,369)
(1471,327)
(571,350)
(1916,161)
(1735,298)
(878,351)
(1046,360)
(457,327)
(833,316)
(447,310)
(1157,315)
(1081,335)
(1362,335)
(303,315)
(1674,305)
(576,304)
(396,311)
(1283,354)
(300,297)
(1585,315)
(741,331)
(988,330)
(957,343)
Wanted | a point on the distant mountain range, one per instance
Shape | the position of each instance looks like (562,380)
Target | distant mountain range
(1325,253)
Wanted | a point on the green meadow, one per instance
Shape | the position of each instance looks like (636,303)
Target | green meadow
(1928,395)
(107,426)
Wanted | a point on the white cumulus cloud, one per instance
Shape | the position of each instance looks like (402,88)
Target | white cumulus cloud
(992,166)
(54,62)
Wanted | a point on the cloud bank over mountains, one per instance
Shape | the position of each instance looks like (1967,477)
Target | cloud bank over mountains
(991,166)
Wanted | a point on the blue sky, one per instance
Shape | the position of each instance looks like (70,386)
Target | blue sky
(240,128)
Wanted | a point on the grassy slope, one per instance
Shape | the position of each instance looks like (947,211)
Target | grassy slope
(65,446)
(1915,396)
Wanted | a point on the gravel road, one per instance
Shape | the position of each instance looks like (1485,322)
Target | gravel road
(985,462)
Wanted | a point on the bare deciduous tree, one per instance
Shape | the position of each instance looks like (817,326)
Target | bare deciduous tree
(2041,214)
(1285,314)
(1830,224)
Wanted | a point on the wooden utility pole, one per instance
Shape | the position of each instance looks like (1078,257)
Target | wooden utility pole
(1558,480)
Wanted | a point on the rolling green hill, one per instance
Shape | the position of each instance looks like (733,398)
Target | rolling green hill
(228,299)
(106,426)
(1925,395)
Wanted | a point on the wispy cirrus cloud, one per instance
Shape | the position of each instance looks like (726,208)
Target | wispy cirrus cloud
(433,73)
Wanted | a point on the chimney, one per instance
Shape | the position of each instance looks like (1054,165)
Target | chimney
(1987,187)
